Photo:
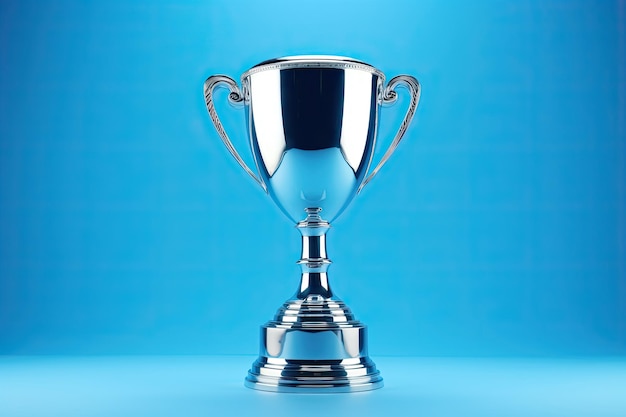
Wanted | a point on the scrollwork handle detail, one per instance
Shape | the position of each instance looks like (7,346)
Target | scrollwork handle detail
(235,96)
(389,97)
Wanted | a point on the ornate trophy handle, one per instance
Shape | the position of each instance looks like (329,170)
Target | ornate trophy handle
(389,97)
(234,97)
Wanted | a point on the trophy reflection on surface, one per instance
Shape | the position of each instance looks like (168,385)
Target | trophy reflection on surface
(312,124)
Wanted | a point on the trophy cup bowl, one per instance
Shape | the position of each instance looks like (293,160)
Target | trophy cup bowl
(312,124)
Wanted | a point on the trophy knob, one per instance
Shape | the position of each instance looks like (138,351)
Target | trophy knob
(389,97)
(234,97)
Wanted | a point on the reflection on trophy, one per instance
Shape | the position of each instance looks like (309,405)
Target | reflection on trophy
(312,127)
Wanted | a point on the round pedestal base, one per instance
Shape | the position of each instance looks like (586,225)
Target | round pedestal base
(314,345)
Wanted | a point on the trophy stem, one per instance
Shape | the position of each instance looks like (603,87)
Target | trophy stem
(313,261)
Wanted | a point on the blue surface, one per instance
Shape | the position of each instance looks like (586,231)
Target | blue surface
(498,228)
(213,386)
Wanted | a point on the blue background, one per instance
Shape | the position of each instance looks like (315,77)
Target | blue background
(498,228)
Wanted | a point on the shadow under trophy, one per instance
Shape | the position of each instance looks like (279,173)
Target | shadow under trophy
(312,124)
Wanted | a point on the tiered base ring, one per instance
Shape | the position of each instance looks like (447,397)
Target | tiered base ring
(313,376)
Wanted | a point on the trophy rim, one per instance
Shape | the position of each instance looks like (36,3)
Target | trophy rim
(313,61)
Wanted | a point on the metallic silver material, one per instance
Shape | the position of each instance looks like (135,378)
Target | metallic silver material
(312,124)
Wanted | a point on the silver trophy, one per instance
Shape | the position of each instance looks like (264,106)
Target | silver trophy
(312,124)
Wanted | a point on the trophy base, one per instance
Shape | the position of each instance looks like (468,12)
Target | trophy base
(314,345)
